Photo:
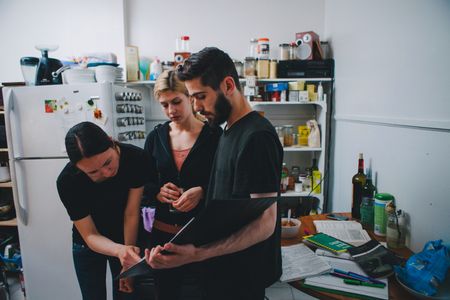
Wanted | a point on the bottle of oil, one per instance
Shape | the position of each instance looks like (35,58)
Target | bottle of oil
(358,181)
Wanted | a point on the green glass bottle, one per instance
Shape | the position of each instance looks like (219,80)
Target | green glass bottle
(358,181)
(367,209)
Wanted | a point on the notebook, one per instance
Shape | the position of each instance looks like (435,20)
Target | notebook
(348,231)
(328,283)
(327,242)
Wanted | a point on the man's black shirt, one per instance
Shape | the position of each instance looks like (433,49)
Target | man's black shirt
(248,161)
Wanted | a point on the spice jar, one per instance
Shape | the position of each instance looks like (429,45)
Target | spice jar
(284,51)
(250,66)
(288,135)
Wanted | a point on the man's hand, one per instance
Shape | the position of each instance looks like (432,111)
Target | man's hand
(126,285)
(128,255)
(189,199)
(168,193)
(179,255)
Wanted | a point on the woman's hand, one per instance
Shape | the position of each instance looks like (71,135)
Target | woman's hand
(128,255)
(168,193)
(189,199)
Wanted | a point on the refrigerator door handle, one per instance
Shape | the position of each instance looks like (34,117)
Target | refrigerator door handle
(21,205)
(21,209)
(11,126)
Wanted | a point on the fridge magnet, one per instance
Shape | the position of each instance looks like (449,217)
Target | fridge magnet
(50,106)
(63,105)
(99,116)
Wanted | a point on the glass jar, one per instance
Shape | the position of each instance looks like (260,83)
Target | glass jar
(263,51)
(273,69)
(250,66)
(284,51)
(253,48)
(280,133)
(288,135)
(262,68)
(239,67)
(293,51)
(395,230)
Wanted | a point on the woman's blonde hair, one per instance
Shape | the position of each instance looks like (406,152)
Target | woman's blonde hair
(168,82)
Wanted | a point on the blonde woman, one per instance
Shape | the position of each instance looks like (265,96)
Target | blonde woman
(181,151)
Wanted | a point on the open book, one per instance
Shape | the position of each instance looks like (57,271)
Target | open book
(300,262)
(347,231)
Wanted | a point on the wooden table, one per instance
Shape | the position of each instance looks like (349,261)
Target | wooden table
(396,291)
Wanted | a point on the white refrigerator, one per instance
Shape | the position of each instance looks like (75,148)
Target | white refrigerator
(37,119)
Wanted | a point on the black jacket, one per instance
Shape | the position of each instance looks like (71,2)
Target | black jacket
(195,170)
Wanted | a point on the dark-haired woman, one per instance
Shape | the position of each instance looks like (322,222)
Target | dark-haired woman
(101,188)
(182,150)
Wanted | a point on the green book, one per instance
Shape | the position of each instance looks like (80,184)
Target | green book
(327,242)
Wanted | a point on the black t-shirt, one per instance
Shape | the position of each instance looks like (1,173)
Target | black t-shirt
(106,201)
(248,161)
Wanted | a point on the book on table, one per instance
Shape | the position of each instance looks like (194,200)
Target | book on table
(336,285)
(348,231)
(299,262)
(327,242)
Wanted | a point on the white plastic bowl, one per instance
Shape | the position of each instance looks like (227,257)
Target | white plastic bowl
(72,76)
(106,73)
(288,232)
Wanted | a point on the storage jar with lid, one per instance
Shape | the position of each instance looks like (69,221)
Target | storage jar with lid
(262,68)
(293,51)
(284,51)
(263,48)
(253,48)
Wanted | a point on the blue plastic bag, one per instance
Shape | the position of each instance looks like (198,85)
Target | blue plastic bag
(425,270)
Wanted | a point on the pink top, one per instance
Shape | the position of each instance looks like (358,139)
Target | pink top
(180,156)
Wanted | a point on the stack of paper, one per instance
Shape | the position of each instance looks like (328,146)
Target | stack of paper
(337,285)
(347,231)
(300,262)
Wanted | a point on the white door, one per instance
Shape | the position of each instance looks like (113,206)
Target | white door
(46,237)
(38,118)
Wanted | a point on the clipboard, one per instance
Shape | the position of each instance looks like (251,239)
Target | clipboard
(219,219)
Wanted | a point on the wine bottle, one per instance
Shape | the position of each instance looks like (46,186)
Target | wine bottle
(358,181)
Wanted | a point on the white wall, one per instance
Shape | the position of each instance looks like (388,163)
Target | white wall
(77,26)
(153,26)
(392,104)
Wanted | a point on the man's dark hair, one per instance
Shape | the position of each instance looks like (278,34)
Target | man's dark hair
(212,65)
(86,140)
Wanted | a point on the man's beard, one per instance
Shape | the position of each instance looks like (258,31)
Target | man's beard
(222,110)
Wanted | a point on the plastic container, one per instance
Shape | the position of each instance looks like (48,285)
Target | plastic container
(263,48)
(380,218)
(155,69)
